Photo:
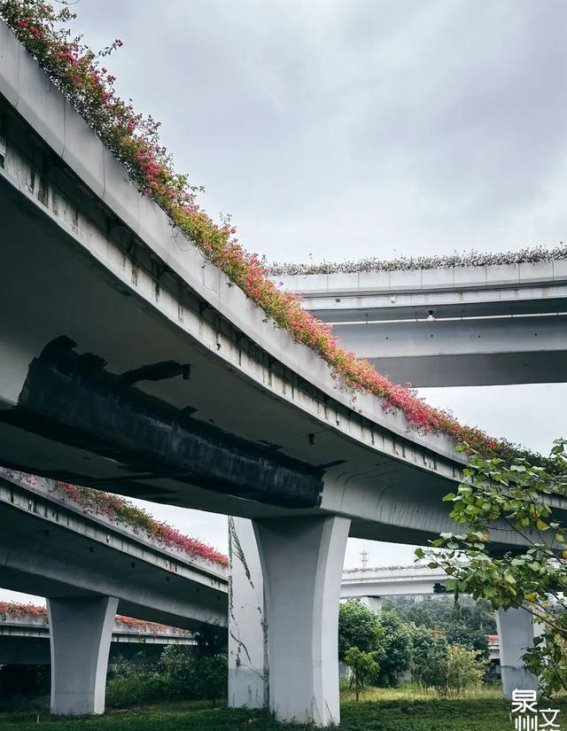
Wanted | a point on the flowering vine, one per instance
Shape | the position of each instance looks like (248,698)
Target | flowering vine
(15,609)
(528,255)
(133,139)
(37,611)
(120,510)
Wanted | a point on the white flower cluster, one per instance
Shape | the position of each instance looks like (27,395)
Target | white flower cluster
(393,569)
(404,263)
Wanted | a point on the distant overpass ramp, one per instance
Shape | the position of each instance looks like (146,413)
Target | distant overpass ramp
(24,638)
(460,326)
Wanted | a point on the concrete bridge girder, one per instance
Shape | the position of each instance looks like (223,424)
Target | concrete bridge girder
(447,285)
(472,352)
(166,303)
(24,640)
(55,549)
(449,327)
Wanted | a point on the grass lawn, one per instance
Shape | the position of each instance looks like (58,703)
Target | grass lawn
(379,710)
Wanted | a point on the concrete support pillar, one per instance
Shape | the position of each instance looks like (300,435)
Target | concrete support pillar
(374,603)
(516,632)
(247,641)
(80,632)
(302,561)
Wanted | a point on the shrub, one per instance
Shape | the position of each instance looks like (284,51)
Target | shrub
(363,666)
(422,641)
(138,689)
(179,675)
(448,668)
(465,669)
(432,663)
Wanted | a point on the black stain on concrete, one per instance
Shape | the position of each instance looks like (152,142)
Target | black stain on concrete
(71,398)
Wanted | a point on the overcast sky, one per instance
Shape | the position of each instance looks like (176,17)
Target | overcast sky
(340,130)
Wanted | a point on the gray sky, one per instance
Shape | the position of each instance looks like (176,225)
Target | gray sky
(340,130)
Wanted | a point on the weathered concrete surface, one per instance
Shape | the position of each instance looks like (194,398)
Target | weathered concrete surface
(81,632)
(75,217)
(516,631)
(247,638)
(248,618)
(184,344)
(302,562)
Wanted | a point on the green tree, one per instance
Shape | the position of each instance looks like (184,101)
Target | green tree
(357,627)
(431,663)
(520,503)
(461,633)
(447,668)
(422,641)
(393,648)
(465,668)
(363,666)
(440,612)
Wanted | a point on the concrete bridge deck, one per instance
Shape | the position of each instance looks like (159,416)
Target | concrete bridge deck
(386,581)
(463,326)
(131,363)
(50,547)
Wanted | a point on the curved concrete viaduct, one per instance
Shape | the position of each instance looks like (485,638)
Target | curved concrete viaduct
(463,326)
(52,548)
(132,364)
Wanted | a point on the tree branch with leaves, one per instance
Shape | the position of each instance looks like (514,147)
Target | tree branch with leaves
(524,505)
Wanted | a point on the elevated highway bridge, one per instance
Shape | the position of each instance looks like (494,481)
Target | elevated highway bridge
(373,585)
(25,638)
(51,547)
(130,363)
(89,568)
(460,326)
